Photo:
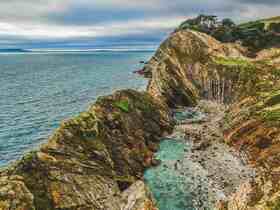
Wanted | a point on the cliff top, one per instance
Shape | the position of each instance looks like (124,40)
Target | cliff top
(254,35)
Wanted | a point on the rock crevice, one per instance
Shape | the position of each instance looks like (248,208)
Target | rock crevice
(96,160)
(91,159)
(199,67)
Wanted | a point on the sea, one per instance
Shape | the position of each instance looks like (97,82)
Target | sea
(39,89)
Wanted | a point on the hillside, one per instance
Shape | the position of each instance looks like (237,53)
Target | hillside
(266,21)
(191,66)
(254,35)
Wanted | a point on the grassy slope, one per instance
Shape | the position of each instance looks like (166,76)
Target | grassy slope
(267,21)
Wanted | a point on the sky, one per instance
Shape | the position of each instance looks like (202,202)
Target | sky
(111,23)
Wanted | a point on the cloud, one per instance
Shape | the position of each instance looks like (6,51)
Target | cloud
(31,10)
(262,2)
(46,31)
(58,20)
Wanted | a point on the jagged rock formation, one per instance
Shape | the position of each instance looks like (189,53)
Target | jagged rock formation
(190,65)
(96,161)
(92,162)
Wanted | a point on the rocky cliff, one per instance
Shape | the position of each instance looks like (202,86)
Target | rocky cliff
(190,66)
(96,160)
(92,161)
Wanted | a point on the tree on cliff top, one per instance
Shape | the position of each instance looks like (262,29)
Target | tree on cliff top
(254,35)
(203,23)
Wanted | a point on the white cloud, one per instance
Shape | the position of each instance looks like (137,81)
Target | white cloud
(36,19)
(41,31)
(30,10)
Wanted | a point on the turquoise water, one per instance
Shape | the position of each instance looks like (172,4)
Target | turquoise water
(171,184)
(167,184)
(188,115)
(38,90)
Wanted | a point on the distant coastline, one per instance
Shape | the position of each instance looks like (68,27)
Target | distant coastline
(77,50)
(16,50)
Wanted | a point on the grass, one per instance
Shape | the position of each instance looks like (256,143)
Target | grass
(273,99)
(271,113)
(232,62)
(123,105)
(271,20)
(275,205)
(267,22)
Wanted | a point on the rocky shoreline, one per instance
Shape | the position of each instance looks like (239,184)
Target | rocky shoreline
(216,168)
(94,161)
(97,160)
(190,66)
(209,169)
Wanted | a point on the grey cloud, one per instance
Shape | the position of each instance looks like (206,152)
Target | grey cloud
(262,2)
(52,19)
(30,10)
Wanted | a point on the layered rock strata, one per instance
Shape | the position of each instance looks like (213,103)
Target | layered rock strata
(190,66)
(96,160)
(93,161)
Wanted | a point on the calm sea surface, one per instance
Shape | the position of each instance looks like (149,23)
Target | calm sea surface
(38,90)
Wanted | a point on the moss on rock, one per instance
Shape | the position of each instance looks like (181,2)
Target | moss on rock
(90,159)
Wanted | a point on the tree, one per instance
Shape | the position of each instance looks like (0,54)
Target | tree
(227,22)
(274,27)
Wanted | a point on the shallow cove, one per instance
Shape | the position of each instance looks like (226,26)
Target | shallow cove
(170,185)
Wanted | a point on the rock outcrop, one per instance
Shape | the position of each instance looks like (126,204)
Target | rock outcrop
(93,161)
(187,66)
(190,65)
(96,160)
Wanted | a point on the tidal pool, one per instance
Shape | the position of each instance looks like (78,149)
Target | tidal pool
(170,183)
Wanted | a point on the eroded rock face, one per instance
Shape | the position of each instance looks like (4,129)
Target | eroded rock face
(94,161)
(190,65)
(184,69)
(137,197)
(90,159)
(253,129)
(14,195)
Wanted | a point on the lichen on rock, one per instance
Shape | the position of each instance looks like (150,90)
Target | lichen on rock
(91,159)
(95,160)
(190,66)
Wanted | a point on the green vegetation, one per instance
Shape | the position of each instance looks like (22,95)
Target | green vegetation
(86,125)
(271,113)
(269,21)
(122,105)
(29,156)
(233,62)
(203,23)
(256,35)
(273,99)
(274,205)
(270,107)
(239,70)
